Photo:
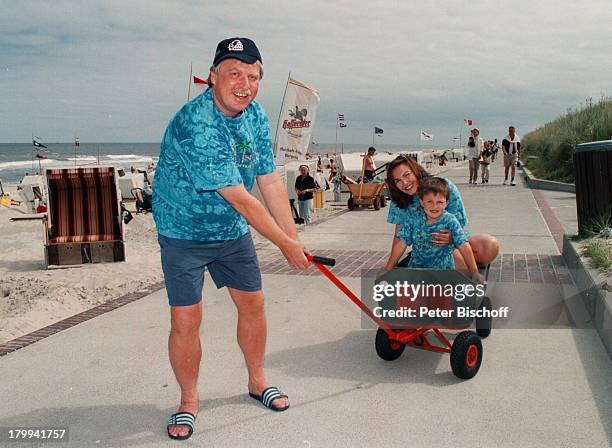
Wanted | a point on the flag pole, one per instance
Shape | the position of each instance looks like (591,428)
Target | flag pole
(336,144)
(190,79)
(32,151)
(280,114)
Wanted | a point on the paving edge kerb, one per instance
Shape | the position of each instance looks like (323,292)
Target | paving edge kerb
(541,184)
(598,302)
(35,336)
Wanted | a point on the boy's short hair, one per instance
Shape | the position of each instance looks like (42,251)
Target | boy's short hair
(435,185)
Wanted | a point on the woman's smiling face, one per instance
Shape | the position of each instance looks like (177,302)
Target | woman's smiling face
(405,180)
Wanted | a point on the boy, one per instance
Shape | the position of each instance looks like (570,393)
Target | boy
(485,161)
(433,217)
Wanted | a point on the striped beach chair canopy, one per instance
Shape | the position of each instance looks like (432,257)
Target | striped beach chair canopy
(83,205)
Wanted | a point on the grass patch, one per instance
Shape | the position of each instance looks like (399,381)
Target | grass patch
(600,253)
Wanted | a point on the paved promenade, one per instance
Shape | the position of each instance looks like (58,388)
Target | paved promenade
(109,381)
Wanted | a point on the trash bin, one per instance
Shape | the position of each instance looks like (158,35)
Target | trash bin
(593,173)
(318,199)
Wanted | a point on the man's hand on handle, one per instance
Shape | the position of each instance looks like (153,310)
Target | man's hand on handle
(295,252)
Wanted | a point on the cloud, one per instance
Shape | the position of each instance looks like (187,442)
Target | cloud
(68,65)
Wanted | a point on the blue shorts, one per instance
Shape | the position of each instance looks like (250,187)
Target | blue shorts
(230,263)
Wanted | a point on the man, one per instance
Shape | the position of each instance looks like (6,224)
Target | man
(305,186)
(212,152)
(511,146)
(473,154)
(369,168)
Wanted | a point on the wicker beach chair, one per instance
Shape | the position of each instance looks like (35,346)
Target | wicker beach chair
(83,223)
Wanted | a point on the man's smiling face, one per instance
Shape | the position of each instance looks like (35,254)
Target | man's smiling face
(235,85)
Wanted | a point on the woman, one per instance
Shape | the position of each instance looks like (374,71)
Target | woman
(403,177)
(472,153)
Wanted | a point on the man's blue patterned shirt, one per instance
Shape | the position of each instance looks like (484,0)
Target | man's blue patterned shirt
(202,151)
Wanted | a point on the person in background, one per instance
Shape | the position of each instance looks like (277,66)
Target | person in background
(511,145)
(321,181)
(471,152)
(494,150)
(370,167)
(334,178)
(305,186)
(485,160)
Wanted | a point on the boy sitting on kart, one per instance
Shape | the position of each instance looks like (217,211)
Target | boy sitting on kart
(431,216)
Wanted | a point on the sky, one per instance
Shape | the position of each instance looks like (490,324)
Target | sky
(117,71)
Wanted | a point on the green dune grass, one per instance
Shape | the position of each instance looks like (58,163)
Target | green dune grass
(548,151)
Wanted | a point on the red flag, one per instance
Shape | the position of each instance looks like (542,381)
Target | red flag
(468,122)
(196,87)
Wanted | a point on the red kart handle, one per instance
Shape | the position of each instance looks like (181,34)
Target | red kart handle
(322,260)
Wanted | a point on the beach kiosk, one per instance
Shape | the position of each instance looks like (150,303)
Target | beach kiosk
(83,222)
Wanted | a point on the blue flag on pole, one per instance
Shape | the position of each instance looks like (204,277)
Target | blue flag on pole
(378,130)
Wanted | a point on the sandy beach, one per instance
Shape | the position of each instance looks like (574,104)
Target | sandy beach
(32,297)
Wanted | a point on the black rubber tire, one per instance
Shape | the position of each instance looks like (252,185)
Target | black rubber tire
(463,367)
(351,204)
(484,324)
(377,203)
(384,347)
(383,201)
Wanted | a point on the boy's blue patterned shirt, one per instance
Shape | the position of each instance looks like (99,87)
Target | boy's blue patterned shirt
(416,232)
(202,151)
(455,207)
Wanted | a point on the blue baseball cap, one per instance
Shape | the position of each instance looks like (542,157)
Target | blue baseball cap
(239,48)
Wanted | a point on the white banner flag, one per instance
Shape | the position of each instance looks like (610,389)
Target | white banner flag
(425,137)
(296,122)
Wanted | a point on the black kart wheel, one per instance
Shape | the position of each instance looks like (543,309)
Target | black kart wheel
(386,348)
(383,201)
(466,355)
(377,203)
(351,204)
(484,324)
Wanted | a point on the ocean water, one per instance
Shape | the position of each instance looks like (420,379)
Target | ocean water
(17,159)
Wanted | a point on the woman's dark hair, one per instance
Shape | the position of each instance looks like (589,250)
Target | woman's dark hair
(401,199)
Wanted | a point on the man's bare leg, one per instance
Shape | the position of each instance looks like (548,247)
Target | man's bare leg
(185,354)
(252,334)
